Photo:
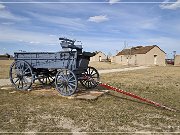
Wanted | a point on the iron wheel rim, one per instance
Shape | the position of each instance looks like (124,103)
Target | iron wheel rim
(21,75)
(66,82)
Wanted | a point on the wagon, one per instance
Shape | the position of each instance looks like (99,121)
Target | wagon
(64,68)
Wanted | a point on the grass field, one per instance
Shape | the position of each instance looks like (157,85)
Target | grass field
(114,112)
(4,68)
(106,65)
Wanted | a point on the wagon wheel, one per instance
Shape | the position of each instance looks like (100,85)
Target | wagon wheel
(66,82)
(91,78)
(47,78)
(21,75)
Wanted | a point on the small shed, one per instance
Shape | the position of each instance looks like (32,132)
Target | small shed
(100,56)
(177,60)
(141,55)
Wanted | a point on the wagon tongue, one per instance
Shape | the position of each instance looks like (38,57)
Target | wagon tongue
(136,96)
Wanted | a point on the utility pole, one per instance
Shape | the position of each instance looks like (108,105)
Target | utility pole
(174,54)
(125,44)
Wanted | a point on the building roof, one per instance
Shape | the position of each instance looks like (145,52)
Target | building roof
(97,52)
(137,50)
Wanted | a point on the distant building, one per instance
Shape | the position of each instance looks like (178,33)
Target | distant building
(141,55)
(98,57)
(6,57)
(177,60)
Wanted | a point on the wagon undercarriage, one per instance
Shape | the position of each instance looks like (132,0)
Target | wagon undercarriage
(64,69)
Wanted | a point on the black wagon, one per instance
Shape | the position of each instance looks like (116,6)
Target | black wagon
(64,68)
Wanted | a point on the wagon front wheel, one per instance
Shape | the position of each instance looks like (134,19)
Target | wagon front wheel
(21,75)
(66,82)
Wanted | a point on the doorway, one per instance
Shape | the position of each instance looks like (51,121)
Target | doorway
(155,59)
(100,59)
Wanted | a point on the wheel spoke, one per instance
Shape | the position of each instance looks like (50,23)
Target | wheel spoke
(16,80)
(19,83)
(22,83)
(46,80)
(71,89)
(27,73)
(72,84)
(62,88)
(88,84)
(26,70)
(49,79)
(25,80)
(92,71)
(70,78)
(73,81)
(59,84)
(93,74)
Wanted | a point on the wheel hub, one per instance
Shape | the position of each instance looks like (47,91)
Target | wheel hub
(20,74)
(65,82)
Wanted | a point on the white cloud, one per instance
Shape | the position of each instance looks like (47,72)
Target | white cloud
(72,23)
(148,23)
(173,6)
(2,6)
(113,1)
(4,14)
(11,34)
(7,23)
(98,19)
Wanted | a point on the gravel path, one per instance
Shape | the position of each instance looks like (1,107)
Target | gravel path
(4,82)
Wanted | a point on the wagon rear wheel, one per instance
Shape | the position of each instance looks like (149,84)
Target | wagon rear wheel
(90,78)
(66,82)
(21,75)
(47,78)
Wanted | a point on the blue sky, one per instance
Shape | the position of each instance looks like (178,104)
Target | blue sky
(31,25)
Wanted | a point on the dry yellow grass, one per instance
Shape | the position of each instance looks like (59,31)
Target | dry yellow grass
(106,65)
(4,68)
(25,111)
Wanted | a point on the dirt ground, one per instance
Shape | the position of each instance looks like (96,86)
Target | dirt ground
(32,111)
